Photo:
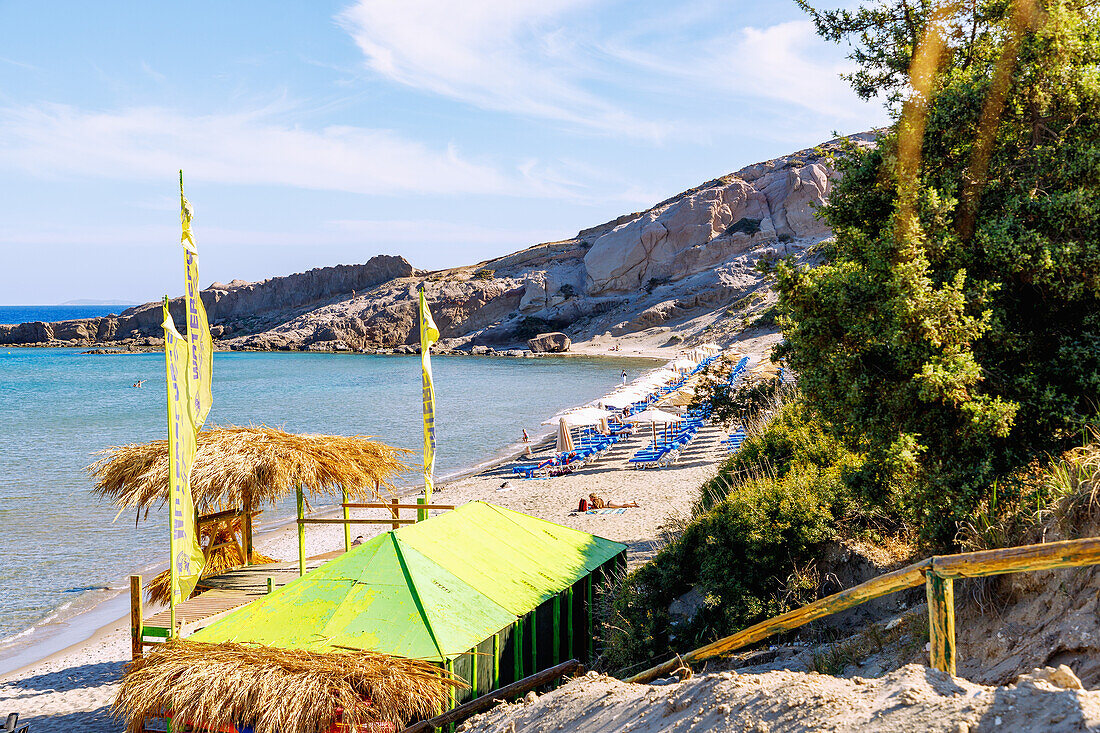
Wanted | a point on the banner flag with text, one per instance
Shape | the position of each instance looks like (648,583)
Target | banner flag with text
(429,334)
(200,345)
(186,555)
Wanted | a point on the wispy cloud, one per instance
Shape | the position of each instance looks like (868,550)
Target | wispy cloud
(678,68)
(244,148)
(503,55)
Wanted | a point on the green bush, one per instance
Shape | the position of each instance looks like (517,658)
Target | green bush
(484,274)
(764,516)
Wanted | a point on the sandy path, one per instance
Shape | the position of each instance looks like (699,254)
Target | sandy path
(73,689)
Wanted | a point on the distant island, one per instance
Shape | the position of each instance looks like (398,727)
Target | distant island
(92,301)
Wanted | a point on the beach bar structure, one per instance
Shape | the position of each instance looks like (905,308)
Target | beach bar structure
(489,594)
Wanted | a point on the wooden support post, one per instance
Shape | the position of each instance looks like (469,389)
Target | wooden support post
(517,648)
(496,660)
(534,640)
(301,533)
(396,514)
(451,703)
(421,509)
(473,673)
(590,632)
(137,617)
(347,524)
(941,621)
(246,526)
(569,622)
(556,644)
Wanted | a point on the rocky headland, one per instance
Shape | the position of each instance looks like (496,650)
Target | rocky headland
(682,272)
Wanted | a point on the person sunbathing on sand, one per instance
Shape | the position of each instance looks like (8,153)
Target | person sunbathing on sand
(595,502)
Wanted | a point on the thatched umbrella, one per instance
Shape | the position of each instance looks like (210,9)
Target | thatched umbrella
(272,690)
(246,467)
(255,464)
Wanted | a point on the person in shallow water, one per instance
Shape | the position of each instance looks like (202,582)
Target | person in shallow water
(624,377)
(525,438)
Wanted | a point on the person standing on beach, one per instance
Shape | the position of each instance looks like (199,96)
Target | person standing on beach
(624,377)
(525,438)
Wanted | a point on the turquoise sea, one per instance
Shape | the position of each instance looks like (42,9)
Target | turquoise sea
(59,545)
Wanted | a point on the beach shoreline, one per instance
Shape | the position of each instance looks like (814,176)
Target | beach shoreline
(57,633)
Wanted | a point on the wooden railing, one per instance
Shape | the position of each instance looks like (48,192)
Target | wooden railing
(394,520)
(937,573)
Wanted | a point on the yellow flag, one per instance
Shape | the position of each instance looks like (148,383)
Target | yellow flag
(184,551)
(200,345)
(429,334)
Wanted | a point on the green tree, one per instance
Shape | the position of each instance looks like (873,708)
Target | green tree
(953,331)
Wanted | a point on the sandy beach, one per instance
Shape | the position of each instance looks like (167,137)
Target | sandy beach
(74,688)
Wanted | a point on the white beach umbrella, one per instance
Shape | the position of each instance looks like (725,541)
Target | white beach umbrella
(654,416)
(565,440)
(626,398)
(683,363)
(582,416)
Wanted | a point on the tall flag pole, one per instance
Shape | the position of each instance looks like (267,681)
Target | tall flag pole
(429,334)
(184,553)
(200,345)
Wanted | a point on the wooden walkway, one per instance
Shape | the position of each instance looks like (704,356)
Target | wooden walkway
(228,592)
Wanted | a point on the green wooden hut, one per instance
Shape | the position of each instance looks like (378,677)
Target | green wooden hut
(491,594)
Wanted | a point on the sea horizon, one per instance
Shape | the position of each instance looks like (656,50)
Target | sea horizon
(13,315)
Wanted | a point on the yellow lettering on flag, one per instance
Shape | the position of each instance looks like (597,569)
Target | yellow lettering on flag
(184,551)
(200,345)
(429,334)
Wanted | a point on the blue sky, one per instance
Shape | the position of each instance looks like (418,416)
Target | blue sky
(321,133)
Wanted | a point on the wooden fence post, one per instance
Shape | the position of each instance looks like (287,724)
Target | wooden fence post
(347,523)
(301,534)
(941,621)
(246,526)
(396,513)
(137,618)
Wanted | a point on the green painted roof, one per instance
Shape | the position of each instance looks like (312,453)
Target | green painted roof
(430,590)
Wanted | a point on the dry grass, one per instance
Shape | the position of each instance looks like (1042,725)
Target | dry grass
(263,462)
(277,690)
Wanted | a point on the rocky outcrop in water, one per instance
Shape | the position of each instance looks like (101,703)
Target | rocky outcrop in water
(687,266)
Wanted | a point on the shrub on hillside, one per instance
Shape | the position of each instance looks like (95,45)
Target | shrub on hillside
(764,516)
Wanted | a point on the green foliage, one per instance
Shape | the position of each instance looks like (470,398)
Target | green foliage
(655,282)
(764,516)
(768,319)
(733,403)
(744,225)
(567,291)
(532,326)
(957,350)
(484,274)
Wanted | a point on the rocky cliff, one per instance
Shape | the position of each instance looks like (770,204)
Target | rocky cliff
(684,270)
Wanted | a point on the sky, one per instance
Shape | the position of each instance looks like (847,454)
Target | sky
(323,133)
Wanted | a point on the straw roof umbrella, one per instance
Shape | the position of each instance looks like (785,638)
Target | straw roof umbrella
(255,463)
(272,690)
(244,467)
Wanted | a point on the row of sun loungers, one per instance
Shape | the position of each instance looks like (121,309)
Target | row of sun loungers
(665,451)
(733,441)
(590,446)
